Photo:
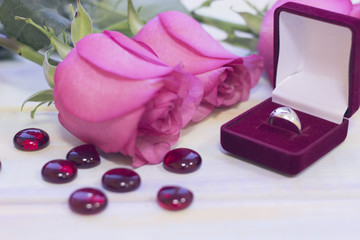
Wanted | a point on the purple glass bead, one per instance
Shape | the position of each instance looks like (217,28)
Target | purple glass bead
(121,180)
(31,139)
(88,201)
(174,198)
(182,160)
(59,171)
(84,156)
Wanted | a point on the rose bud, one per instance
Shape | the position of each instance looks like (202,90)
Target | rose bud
(178,39)
(113,92)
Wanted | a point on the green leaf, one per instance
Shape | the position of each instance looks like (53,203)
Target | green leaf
(42,96)
(252,21)
(228,27)
(122,26)
(43,12)
(107,13)
(135,23)
(207,3)
(81,25)
(150,9)
(56,15)
(248,43)
(32,113)
(257,10)
(49,69)
(266,8)
(61,47)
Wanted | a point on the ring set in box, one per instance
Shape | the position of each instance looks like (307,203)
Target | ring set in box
(316,58)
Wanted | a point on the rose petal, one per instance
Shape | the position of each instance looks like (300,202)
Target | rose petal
(255,66)
(112,136)
(229,85)
(190,32)
(137,48)
(211,80)
(355,12)
(236,87)
(233,84)
(173,52)
(163,115)
(95,95)
(203,110)
(191,91)
(103,52)
(151,150)
(265,45)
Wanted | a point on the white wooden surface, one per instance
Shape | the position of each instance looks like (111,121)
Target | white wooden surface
(233,199)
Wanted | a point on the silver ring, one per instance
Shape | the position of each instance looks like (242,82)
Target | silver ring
(287,114)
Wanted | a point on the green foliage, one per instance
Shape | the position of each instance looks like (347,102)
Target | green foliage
(49,69)
(56,15)
(61,46)
(207,3)
(42,97)
(251,27)
(81,24)
(252,21)
(43,12)
(134,21)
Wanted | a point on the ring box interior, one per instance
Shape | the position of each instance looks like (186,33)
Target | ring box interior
(315,57)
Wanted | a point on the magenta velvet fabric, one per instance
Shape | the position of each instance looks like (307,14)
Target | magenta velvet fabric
(250,136)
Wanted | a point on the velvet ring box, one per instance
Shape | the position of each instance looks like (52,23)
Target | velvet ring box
(316,74)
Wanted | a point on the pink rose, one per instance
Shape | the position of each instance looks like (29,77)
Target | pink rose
(266,41)
(355,10)
(113,92)
(178,39)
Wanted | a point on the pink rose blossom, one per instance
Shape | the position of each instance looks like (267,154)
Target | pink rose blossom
(178,39)
(113,92)
(265,45)
(355,10)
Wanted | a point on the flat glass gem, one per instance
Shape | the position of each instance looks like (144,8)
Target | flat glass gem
(182,160)
(84,156)
(31,139)
(59,171)
(174,198)
(121,180)
(88,201)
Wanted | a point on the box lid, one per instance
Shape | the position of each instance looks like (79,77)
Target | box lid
(316,54)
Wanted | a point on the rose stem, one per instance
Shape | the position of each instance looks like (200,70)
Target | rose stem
(21,49)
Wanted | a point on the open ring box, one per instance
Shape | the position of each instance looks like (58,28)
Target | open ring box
(317,73)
